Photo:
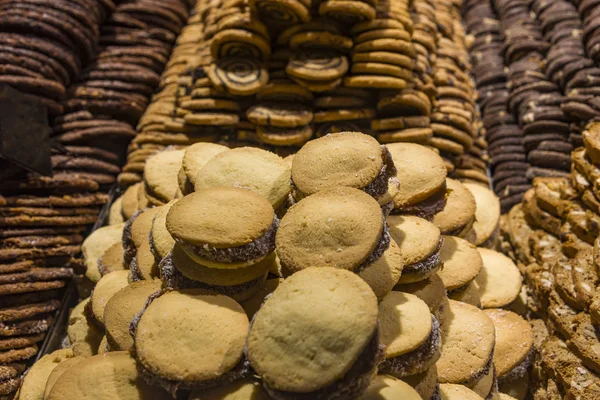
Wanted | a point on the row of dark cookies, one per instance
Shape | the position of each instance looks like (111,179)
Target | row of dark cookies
(553,236)
(502,132)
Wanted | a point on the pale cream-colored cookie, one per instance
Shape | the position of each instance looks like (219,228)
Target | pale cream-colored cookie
(457,392)
(34,382)
(462,263)
(257,170)
(244,389)
(58,370)
(106,287)
(120,310)
(160,174)
(458,215)
(129,203)
(499,281)
(115,215)
(487,214)
(83,337)
(161,240)
(196,156)
(385,387)
(96,244)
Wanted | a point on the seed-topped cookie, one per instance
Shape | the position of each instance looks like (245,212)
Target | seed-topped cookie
(420,244)
(343,228)
(410,333)
(224,227)
(422,180)
(210,332)
(120,310)
(254,169)
(288,340)
(350,159)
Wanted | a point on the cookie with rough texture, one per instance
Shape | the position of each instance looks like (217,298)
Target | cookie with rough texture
(468,340)
(195,157)
(487,214)
(350,159)
(410,334)
(278,343)
(206,224)
(420,171)
(462,263)
(218,342)
(106,287)
(458,215)
(499,281)
(28,310)
(250,168)
(117,368)
(83,337)
(34,382)
(121,309)
(96,244)
(160,174)
(385,387)
(420,243)
(514,344)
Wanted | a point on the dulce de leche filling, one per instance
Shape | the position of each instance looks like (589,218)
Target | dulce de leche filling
(428,265)
(379,186)
(256,249)
(428,207)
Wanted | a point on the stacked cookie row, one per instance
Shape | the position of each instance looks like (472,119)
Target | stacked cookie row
(112,92)
(276,85)
(455,120)
(170,240)
(45,45)
(502,132)
(553,234)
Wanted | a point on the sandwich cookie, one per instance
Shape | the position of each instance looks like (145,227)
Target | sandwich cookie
(104,290)
(499,281)
(136,231)
(144,265)
(487,215)
(410,333)
(342,228)
(160,240)
(253,304)
(461,264)
(194,158)
(95,245)
(112,259)
(120,310)
(422,174)
(257,170)
(209,328)
(118,372)
(432,291)
(385,387)
(450,391)
(350,159)
(458,216)
(469,294)
(468,340)
(425,383)
(293,362)
(513,351)
(160,176)
(224,227)
(420,244)
(83,336)
(179,271)
(240,390)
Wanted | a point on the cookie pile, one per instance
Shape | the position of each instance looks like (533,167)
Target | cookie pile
(454,118)
(553,234)
(502,132)
(376,242)
(45,45)
(112,92)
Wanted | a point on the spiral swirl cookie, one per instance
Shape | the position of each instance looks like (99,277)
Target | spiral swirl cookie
(282,13)
(347,13)
(239,43)
(318,65)
(238,76)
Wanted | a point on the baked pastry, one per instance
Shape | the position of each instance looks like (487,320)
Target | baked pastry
(106,288)
(224,227)
(350,159)
(432,291)
(207,354)
(316,336)
(410,333)
(499,281)
(462,264)
(458,216)
(195,157)
(450,391)
(385,387)
(422,176)
(420,244)
(344,228)
(487,215)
